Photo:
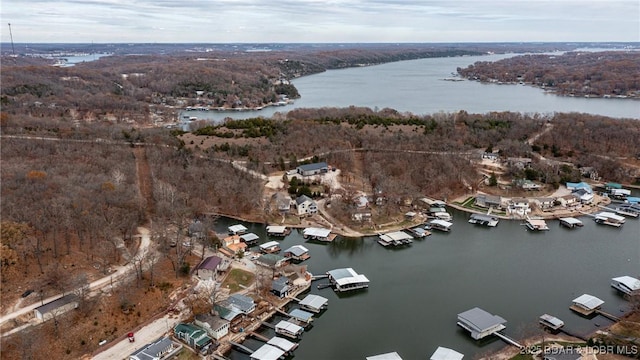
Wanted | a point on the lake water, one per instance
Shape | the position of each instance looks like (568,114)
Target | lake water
(416,292)
(417,86)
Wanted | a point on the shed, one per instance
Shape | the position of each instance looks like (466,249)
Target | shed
(443,353)
(56,307)
(312,169)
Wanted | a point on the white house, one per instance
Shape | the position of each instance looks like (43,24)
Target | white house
(306,206)
(215,326)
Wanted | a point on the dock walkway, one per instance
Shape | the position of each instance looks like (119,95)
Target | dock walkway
(241,347)
(509,340)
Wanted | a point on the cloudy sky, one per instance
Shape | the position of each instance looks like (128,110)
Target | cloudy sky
(229,21)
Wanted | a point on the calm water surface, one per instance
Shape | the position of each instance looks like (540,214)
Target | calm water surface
(417,86)
(416,292)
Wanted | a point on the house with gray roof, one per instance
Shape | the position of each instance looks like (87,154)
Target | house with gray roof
(312,169)
(243,303)
(272,261)
(56,307)
(159,349)
(228,313)
(192,335)
(280,287)
(488,201)
(214,325)
(305,206)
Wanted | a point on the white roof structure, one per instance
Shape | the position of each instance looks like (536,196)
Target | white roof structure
(441,222)
(347,276)
(610,215)
(289,327)
(588,302)
(282,343)
(629,282)
(571,220)
(236,229)
(396,236)
(249,237)
(275,229)
(480,323)
(443,353)
(297,250)
(314,301)
(267,352)
(388,356)
(316,232)
(269,245)
(552,320)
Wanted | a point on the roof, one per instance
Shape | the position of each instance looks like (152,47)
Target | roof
(276,229)
(241,302)
(303,198)
(270,259)
(388,356)
(314,301)
(289,327)
(396,236)
(610,215)
(537,222)
(301,315)
(443,353)
(280,284)
(552,320)
(441,223)
(571,220)
(249,237)
(267,352)
(152,350)
(580,185)
(58,303)
(210,263)
(281,343)
(630,282)
(227,313)
(297,250)
(237,228)
(318,232)
(480,320)
(215,322)
(342,273)
(483,217)
(588,301)
(352,280)
(269,244)
(312,167)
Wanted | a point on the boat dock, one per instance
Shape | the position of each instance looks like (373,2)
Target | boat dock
(570,222)
(620,210)
(241,347)
(270,326)
(258,336)
(508,340)
(318,277)
(607,315)
(324,286)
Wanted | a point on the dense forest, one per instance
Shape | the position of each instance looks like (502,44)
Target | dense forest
(591,74)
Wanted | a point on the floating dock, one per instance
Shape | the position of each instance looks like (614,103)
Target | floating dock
(486,220)
(586,304)
(396,238)
(536,224)
(551,322)
(318,234)
(570,222)
(609,218)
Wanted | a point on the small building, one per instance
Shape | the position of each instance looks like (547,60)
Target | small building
(480,323)
(319,234)
(297,252)
(584,196)
(491,156)
(388,356)
(314,303)
(243,303)
(489,201)
(282,202)
(159,349)
(214,325)
(347,279)
(586,304)
(208,268)
(267,352)
(192,335)
(545,203)
(270,247)
(237,229)
(272,261)
(289,329)
(275,230)
(56,307)
(249,238)
(443,353)
(312,169)
(526,184)
(283,344)
(306,206)
(626,284)
(280,287)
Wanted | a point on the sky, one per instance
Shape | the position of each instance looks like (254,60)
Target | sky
(319,21)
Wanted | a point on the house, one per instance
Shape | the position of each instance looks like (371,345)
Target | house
(272,261)
(589,172)
(361,214)
(159,349)
(568,201)
(520,163)
(526,184)
(197,230)
(214,325)
(297,252)
(282,202)
(519,207)
(192,335)
(280,287)
(56,307)
(208,268)
(312,169)
(243,303)
(545,203)
(581,185)
(490,156)
(306,206)
(584,196)
(234,243)
(489,201)
(230,314)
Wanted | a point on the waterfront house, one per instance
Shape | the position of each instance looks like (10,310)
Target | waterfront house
(488,201)
(518,207)
(580,185)
(214,325)
(314,303)
(568,201)
(282,202)
(243,303)
(192,335)
(518,162)
(231,314)
(584,196)
(480,323)
(491,156)
(626,284)
(208,268)
(387,356)
(305,206)
(544,203)
(280,287)
(56,307)
(234,244)
(443,353)
(312,169)
(272,261)
(586,304)
(297,252)
(157,350)
(267,352)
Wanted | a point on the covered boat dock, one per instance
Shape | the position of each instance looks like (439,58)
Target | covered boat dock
(570,222)
(314,303)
